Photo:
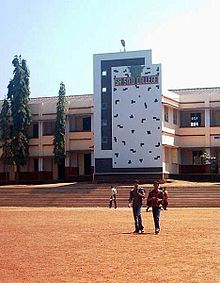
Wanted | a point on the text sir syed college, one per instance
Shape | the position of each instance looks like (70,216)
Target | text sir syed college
(124,81)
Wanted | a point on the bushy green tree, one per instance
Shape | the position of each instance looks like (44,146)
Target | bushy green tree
(18,94)
(5,135)
(59,136)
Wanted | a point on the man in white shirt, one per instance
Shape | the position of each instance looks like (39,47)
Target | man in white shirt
(113,197)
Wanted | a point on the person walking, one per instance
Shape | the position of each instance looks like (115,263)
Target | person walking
(137,194)
(113,197)
(155,197)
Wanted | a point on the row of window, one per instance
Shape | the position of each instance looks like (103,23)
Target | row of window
(191,119)
(76,123)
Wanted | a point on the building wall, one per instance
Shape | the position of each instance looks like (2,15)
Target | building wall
(189,138)
(127,114)
(41,140)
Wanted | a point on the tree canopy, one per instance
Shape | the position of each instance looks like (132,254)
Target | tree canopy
(18,95)
(5,136)
(59,137)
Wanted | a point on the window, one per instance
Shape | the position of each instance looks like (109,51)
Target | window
(104,106)
(79,123)
(192,118)
(49,128)
(197,157)
(104,123)
(175,116)
(36,168)
(104,139)
(87,124)
(166,114)
(195,119)
(215,117)
(35,131)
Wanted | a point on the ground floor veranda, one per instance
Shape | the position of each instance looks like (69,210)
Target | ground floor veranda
(189,161)
(77,163)
(177,163)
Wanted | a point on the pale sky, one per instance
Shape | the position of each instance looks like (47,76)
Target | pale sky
(58,40)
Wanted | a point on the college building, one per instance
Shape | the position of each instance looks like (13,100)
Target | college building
(128,128)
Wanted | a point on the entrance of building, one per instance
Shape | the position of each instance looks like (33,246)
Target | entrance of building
(61,170)
(87,163)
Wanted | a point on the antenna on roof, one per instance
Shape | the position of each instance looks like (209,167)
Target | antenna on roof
(123,44)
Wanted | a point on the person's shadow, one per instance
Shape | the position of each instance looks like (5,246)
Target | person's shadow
(137,234)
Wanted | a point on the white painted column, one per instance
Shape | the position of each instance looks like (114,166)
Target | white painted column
(67,140)
(92,122)
(67,160)
(40,125)
(67,129)
(92,158)
(67,136)
(207,122)
(40,164)
(207,118)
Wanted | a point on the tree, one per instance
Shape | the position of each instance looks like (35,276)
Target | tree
(59,136)
(5,137)
(18,94)
(210,159)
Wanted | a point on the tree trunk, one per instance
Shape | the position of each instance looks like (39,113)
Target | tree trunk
(17,179)
(6,172)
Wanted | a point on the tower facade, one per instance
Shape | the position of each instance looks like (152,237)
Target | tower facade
(127,115)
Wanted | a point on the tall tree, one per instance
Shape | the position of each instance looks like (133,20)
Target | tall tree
(5,136)
(59,136)
(18,94)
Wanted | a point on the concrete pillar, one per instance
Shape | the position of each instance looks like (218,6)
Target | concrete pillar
(207,122)
(92,159)
(55,171)
(81,164)
(92,122)
(67,160)
(40,164)
(67,129)
(11,171)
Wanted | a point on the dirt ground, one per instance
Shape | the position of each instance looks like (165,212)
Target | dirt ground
(97,245)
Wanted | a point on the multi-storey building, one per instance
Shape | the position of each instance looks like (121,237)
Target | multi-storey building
(79,140)
(191,127)
(128,128)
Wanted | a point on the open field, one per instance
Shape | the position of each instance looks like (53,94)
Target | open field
(97,245)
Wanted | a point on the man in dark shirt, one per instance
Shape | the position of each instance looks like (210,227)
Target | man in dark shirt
(155,198)
(137,194)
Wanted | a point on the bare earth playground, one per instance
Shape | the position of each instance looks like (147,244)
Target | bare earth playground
(89,244)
